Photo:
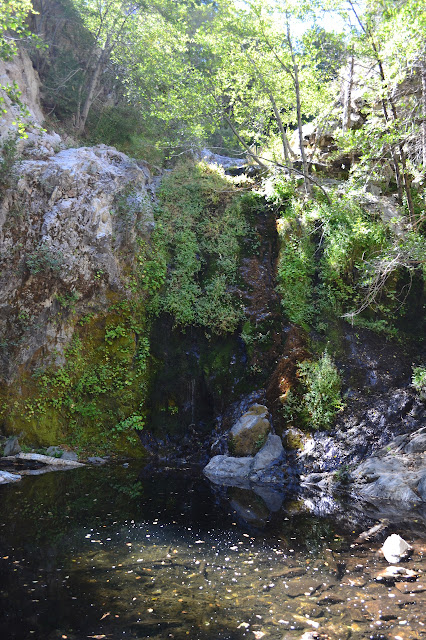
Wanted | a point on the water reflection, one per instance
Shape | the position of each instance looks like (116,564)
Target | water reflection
(101,553)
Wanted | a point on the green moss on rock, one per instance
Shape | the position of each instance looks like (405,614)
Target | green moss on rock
(249,433)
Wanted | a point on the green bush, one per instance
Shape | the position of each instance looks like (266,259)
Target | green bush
(338,259)
(419,380)
(43,259)
(8,158)
(200,230)
(322,399)
(296,267)
(350,237)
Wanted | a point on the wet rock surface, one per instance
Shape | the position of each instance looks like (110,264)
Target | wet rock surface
(379,439)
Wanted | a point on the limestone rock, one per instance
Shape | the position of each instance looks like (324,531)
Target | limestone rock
(396,549)
(12,447)
(66,206)
(249,433)
(20,70)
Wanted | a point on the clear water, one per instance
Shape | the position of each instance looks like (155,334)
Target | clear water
(102,553)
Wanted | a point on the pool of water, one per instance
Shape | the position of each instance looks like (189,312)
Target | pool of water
(115,553)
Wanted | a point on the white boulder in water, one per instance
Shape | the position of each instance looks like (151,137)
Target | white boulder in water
(396,549)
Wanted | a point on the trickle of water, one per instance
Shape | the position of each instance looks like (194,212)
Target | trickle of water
(98,554)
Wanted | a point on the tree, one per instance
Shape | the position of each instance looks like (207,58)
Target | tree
(261,80)
(125,35)
(14,29)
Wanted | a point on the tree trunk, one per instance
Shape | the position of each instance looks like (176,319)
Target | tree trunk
(346,119)
(423,72)
(91,91)
(244,144)
(406,181)
(299,112)
(284,139)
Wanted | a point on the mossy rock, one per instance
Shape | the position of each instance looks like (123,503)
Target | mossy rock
(294,439)
(249,433)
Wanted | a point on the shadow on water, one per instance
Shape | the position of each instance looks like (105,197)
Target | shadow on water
(112,552)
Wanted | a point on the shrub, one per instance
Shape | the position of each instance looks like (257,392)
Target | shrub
(322,399)
(200,229)
(8,158)
(295,279)
(419,380)
(44,258)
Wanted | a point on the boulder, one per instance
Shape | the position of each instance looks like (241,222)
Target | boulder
(240,470)
(396,472)
(54,451)
(70,455)
(12,447)
(271,453)
(96,460)
(396,549)
(249,433)
(416,444)
(229,468)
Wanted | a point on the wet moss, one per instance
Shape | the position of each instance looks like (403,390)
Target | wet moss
(85,402)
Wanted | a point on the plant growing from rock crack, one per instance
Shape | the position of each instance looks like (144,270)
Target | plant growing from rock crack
(44,258)
(322,399)
(419,380)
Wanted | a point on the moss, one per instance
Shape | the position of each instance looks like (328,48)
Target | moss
(249,441)
(103,381)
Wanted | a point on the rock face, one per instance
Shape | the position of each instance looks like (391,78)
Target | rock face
(61,238)
(72,222)
(397,472)
(19,70)
(249,433)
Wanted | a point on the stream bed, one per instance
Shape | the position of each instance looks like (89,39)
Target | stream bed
(126,552)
